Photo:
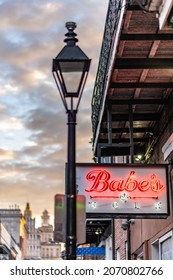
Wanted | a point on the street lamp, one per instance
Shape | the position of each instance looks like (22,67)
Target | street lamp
(70,70)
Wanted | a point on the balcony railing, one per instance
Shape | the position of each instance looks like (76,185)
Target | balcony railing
(111,26)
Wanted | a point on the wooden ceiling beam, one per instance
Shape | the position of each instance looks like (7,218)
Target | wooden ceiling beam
(126,130)
(125,141)
(136,117)
(137,101)
(146,37)
(141,85)
(143,63)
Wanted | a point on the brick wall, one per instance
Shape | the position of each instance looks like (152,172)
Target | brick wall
(165,127)
(120,239)
(149,230)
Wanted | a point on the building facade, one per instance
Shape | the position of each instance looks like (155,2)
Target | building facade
(21,240)
(50,250)
(132,109)
(15,224)
(9,250)
(33,250)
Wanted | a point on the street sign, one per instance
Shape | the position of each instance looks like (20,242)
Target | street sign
(113,190)
(90,251)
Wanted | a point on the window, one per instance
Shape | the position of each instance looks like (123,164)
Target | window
(162,248)
(140,256)
(126,250)
(166,247)
(140,253)
(57,252)
(118,256)
(43,252)
(155,250)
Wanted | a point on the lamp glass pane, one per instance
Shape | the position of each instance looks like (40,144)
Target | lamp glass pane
(72,66)
(72,81)
(72,72)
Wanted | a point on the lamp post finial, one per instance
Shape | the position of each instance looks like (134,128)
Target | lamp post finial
(70,25)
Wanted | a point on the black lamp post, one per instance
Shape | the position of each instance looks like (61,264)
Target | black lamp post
(70,70)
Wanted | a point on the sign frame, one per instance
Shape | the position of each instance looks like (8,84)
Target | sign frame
(59,218)
(160,214)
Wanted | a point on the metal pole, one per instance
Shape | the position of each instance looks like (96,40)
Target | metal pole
(128,241)
(131,133)
(70,189)
(109,116)
(132,162)
(113,238)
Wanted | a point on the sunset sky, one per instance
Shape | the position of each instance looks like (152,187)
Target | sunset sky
(33,130)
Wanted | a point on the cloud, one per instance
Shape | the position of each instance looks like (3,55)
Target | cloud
(6,155)
(33,127)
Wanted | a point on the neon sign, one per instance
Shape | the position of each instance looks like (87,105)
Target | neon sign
(101,182)
(124,190)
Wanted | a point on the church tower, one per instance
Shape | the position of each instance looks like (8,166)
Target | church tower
(27,212)
(33,242)
(45,218)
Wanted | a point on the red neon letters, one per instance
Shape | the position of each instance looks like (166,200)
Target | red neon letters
(101,182)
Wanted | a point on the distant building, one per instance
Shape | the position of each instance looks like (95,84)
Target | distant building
(49,248)
(15,224)
(9,250)
(33,240)
(59,218)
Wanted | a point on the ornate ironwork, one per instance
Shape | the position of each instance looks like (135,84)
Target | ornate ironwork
(112,19)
